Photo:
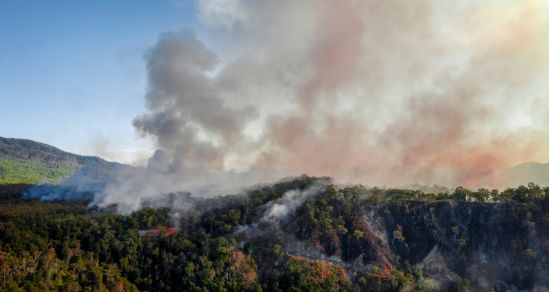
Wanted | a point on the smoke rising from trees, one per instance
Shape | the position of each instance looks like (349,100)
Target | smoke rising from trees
(384,93)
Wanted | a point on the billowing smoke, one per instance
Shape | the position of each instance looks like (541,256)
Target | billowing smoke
(381,92)
(287,205)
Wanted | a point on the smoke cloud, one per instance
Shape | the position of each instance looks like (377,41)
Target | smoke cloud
(287,205)
(381,92)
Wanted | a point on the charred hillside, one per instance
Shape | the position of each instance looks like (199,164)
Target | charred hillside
(299,234)
(386,240)
(503,244)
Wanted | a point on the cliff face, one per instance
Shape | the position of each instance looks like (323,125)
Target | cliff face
(454,244)
(308,234)
(491,245)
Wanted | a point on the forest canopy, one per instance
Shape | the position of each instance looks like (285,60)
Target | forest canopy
(71,246)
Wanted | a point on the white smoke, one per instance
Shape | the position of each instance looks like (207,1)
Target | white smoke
(222,13)
(282,208)
(381,92)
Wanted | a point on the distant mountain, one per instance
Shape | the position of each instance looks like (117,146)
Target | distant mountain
(25,161)
(28,162)
(527,172)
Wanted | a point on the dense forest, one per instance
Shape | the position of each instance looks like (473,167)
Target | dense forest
(302,234)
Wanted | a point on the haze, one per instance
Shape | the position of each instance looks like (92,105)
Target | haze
(384,93)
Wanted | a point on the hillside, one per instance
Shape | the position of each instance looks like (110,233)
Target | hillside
(528,172)
(301,234)
(29,162)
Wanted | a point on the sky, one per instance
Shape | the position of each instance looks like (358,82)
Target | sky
(378,92)
(73,72)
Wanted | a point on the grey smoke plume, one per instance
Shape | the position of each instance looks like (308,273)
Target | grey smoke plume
(187,116)
(381,92)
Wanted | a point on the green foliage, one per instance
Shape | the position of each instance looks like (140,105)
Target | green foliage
(521,194)
(16,172)
(148,218)
(307,275)
(104,251)
(387,278)
(333,220)
(403,194)
(524,194)
(70,247)
(293,273)
(461,194)
(45,246)
(241,211)
(39,271)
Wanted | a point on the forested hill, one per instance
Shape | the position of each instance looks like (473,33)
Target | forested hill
(28,162)
(302,234)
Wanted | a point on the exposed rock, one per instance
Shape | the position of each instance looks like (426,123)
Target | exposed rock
(434,265)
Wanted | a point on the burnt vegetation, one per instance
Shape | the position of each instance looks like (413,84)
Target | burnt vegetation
(341,238)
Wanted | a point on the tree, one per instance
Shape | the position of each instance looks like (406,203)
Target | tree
(481,195)
(461,194)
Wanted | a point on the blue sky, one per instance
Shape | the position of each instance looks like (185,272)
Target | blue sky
(72,72)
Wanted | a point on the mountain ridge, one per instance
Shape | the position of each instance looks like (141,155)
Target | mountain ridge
(526,172)
(24,161)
